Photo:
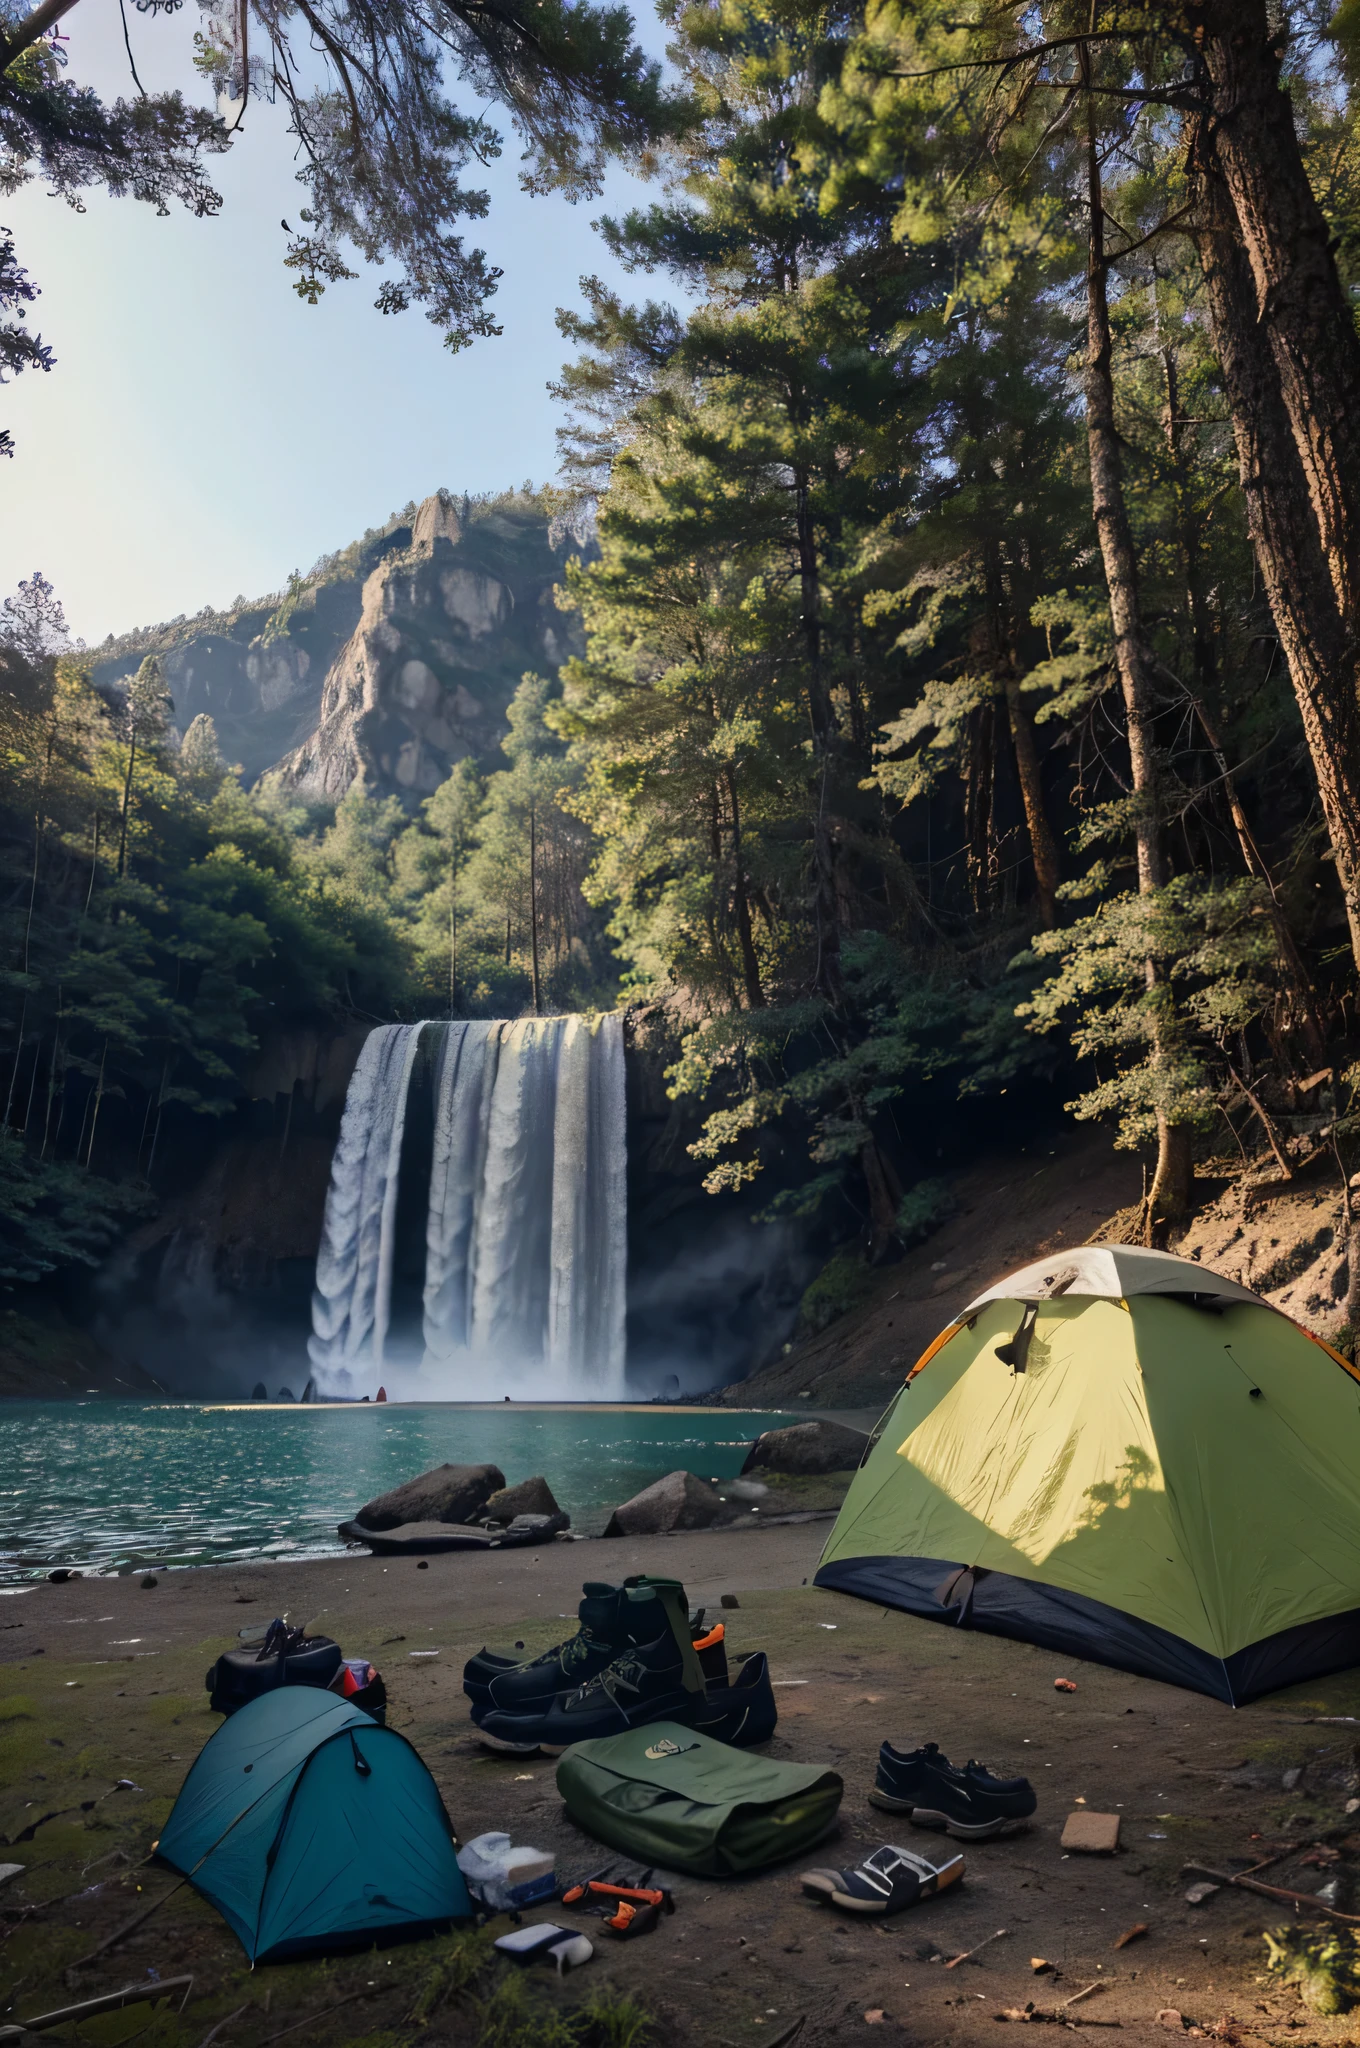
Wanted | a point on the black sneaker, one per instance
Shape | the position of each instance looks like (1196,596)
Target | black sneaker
(644,1684)
(742,1713)
(969,1803)
(885,1882)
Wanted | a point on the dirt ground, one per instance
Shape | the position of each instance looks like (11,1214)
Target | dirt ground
(102,1680)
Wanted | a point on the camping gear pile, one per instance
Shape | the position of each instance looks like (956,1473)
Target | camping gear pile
(281,1655)
(638,1656)
(1054,1469)
(1063,1462)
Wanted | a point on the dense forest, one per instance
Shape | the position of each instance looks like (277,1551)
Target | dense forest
(969,698)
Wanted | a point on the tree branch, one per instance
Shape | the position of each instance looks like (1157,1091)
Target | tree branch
(27,32)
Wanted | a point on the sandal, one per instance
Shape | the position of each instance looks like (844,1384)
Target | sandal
(887,1881)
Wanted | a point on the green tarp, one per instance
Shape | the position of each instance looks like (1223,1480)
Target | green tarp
(680,1801)
(309,1827)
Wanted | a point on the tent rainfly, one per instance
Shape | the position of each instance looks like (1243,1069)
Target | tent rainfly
(310,1828)
(1120,1455)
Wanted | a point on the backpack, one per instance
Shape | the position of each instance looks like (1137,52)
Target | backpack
(675,1799)
(286,1657)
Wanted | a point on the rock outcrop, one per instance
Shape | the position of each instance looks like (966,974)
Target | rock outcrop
(679,1501)
(394,660)
(449,1493)
(808,1447)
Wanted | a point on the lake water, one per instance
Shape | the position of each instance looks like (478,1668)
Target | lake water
(103,1484)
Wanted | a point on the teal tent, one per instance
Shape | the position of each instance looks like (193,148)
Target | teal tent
(309,1827)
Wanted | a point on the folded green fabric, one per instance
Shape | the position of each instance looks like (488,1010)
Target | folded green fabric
(678,1800)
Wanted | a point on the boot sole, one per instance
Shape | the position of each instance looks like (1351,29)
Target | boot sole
(962,1830)
(504,1748)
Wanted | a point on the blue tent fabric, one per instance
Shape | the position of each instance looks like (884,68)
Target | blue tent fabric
(310,1827)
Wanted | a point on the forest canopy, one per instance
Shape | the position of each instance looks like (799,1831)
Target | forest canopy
(967,695)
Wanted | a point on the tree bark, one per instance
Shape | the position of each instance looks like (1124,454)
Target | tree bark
(127,801)
(826,914)
(1042,845)
(453,930)
(1169,1195)
(750,966)
(27,32)
(533,907)
(1317,648)
(1300,300)
(979,805)
(884,1191)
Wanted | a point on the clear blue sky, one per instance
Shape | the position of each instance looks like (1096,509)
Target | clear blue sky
(205,431)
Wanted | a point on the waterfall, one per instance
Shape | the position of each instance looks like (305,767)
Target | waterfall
(525,1236)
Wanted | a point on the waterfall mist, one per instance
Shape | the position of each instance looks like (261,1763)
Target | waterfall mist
(525,1231)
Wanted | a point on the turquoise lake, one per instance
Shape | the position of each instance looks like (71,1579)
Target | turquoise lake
(103,1484)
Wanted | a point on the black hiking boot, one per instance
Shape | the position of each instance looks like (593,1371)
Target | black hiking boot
(613,1619)
(604,1623)
(660,1679)
(742,1713)
(644,1684)
(969,1803)
(599,1638)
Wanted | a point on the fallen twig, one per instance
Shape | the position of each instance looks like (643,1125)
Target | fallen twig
(954,1961)
(213,2032)
(1270,1891)
(1086,1991)
(113,2001)
(371,1991)
(1057,2017)
(128,1927)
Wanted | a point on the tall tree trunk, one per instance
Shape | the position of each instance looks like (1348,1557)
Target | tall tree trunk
(127,802)
(826,914)
(1204,645)
(979,805)
(1043,848)
(884,1190)
(1300,300)
(453,931)
(1169,1195)
(98,1099)
(533,906)
(741,904)
(1289,552)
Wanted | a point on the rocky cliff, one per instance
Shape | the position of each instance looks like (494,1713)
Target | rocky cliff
(389,662)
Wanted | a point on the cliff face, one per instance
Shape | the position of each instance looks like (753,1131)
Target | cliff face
(394,661)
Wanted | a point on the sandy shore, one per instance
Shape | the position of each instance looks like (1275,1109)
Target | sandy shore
(359,1598)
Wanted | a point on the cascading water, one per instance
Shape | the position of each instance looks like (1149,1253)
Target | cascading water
(525,1251)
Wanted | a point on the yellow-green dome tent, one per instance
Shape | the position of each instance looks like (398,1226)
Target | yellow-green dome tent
(1119,1454)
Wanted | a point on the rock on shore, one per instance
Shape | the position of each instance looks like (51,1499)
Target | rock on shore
(449,1493)
(679,1501)
(808,1447)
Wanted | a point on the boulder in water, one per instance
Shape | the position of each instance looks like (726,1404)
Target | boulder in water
(529,1497)
(679,1501)
(260,1392)
(808,1447)
(449,1493)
